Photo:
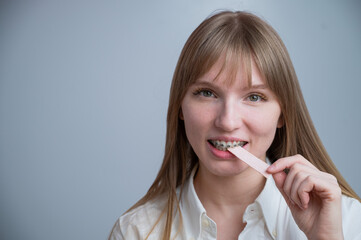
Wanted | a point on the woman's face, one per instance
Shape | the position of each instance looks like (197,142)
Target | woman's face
(214,111)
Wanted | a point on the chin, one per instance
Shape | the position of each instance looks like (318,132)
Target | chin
(227,168)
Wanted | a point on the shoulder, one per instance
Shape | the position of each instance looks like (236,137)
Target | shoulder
(351,220)
(138,223)
(145,214)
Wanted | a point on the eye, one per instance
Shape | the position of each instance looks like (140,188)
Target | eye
(256,97)
(204,93)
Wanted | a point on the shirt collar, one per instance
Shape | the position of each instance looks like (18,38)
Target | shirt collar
(192,208)
(269,200)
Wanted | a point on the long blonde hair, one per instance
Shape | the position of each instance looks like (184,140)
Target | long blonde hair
(238,35)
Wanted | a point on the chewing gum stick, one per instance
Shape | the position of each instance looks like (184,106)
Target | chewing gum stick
(251,160)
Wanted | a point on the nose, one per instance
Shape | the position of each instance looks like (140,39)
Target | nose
(229,117)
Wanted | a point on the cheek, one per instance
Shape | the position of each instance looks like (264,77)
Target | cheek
(196,118)
(192,122)
(265,123)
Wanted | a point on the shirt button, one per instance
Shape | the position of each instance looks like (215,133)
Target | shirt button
(205,222)
(274,233)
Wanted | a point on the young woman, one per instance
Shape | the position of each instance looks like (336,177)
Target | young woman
(235,84)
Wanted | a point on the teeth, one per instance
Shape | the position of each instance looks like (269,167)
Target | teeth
(223,145)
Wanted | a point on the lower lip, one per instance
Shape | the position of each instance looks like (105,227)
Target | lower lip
(221,154)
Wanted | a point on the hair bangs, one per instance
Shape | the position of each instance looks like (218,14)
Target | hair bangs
(230,48)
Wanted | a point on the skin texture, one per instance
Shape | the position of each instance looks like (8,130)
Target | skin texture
(214,109)
(314,197)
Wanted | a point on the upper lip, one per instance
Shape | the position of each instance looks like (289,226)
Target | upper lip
(227,139)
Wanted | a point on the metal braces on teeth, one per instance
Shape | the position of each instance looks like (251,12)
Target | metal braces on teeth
(223,145)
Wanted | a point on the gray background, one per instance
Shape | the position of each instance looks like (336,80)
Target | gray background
(83,97)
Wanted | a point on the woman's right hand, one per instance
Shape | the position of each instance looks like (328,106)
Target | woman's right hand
(313,196)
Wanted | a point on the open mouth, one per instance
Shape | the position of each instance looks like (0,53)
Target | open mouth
(223,145)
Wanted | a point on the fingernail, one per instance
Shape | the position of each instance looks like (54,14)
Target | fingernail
(271,167)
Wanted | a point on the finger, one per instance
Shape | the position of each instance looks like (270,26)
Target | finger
(295,175)
(279,179)
(287,162)
(305,181)
(321,187)
(330,178)
(295,188)
(306,186)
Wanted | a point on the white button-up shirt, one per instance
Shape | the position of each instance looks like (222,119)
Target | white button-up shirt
(267,218)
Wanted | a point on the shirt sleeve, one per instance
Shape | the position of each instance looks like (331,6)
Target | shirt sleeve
(351,218)
(130,226)
(116,233)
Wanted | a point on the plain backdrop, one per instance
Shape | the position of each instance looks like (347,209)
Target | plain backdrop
(84,89)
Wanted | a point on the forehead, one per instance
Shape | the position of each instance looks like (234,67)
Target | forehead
(233,73)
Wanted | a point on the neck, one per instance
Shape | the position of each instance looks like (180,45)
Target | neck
(232,191)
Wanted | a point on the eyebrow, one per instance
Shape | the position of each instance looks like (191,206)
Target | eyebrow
(206,83)
(259,86)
